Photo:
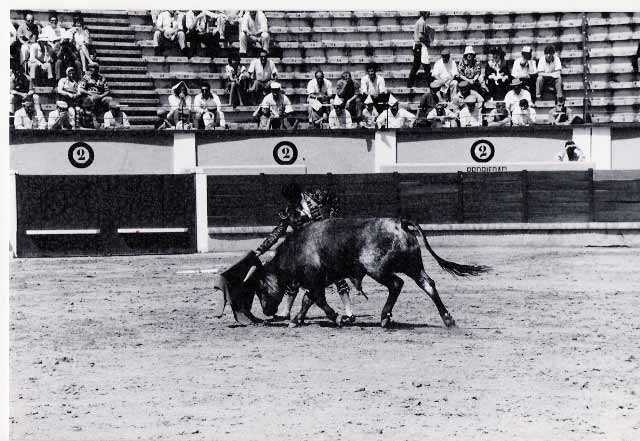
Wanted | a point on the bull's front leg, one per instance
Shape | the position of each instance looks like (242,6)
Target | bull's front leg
(298,320)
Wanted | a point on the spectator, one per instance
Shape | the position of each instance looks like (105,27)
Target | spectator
(464,91)
(524,69)
(263,115)
(40,60)
(423,36)
(81,39)
(523,115)
(86,119)
(169,30)
(19,87)
(373,85)
(571,153)
(229,25)
(497,74)
(95,87)
(346,89)
(28,116)
(470,115)
(428,102)
(61,118)
(237,81)
(513,97)
(254,32)
(318,92)
(446,70)
(180,103)
(339,118)
(470,70)
(499,116)
(163,122)
(205,32)
(27,35)
(634,61)
(53,31)
(279,106)
(561,115)
(395,117)
(204,100)
(68,90)
(369,114)
(67,56)
(441,116)
(115,118)
(549,71)
(213,118)
(261,71)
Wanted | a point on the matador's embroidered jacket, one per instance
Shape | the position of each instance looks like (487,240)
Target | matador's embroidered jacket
(320,205)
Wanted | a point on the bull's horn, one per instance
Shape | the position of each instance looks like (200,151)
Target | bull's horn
(249,273)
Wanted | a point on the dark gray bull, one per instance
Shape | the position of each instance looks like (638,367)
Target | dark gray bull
(324,252)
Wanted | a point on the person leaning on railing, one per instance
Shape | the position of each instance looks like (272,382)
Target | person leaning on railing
(441,116)
(61,118)
(28,116)
(319,90)
(280,109)
(339,117)
(395,117)
(524,114)
(499,116)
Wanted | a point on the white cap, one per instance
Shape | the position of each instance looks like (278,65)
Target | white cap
(469,50)
(526,49)
(368,100)
(392,100)
(62,104)
(275,85)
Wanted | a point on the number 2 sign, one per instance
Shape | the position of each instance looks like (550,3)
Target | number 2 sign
(482,151)
(80,155)
(285,153)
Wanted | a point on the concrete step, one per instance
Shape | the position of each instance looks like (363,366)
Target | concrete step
(105,21)
(121,60)
(130,92)
(130,84)
(111,68)
(119,52)
(125,77)
(112,37)
(109,29)
(109,43)
(141,101)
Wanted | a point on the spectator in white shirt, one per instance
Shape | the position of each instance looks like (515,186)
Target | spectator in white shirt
(523,115)
(53,31)
(369,114)
(339,118)
(549,71)
(28,116)
(445,70)
(395,117)
(280,108)
(319,91)
(470,115)
(115,118)
(169,30)
(40,59)
(180,103)
(254,31)
(513,97)
(204,100)
(524,69)
(261,71)
(373,85)
(237,81)
(213,118)
(61,118)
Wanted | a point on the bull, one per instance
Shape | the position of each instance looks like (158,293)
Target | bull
(323,252)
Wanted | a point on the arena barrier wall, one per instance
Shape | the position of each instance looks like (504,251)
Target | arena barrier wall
(625,148)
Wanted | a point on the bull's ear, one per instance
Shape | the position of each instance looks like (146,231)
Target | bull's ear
(220,285)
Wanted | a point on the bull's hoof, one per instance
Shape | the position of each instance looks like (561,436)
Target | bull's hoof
(347,319)
(386,321)
(449,322)
(293,324)
(280,318)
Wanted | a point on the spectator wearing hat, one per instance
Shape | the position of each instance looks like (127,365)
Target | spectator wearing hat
(549,72)
(261,71)
(524,114)
(441,116)
(203,101)
(373,85)
(61,118)
(571,153)
(464,91)
(213,117)
(561,115)
(40,59)
(319,90)
(169,31)
(524,69)
(339,117)
(423,36)
(470,115)
(95,87)
(163,122)
(395,117)
(470,69)
(115,118)
(254,31)
(446,70)
(347,89)
(517,93)
(237,81)
(86,119)
(428,102)
(279,106)
(81,39)
(369,114)
(499,116)
(27,35)
(497,74)
(29,116)
(180,103)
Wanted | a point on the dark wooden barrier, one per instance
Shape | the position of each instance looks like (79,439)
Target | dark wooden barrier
(82,215)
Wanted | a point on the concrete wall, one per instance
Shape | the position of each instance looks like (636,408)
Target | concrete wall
(625,148)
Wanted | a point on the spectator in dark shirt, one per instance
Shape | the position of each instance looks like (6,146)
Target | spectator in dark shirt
(470,70)
(497,74)
(499,116)
(86,117)
(94,86)
(237,81)
(67,56)
(163,123)
(347,89)
(428,102)
(423,36)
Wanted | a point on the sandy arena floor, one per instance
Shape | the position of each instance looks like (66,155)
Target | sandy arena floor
(547,348)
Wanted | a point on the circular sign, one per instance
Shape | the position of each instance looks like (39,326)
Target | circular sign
(482,151)
(80,155)
(285,153)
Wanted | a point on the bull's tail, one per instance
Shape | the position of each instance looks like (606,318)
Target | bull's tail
(452,268)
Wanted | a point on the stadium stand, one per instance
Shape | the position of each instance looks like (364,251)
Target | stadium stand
(335,41)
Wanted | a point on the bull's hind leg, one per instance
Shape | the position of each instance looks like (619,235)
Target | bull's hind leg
(429,286)
(321,301)
(394,285)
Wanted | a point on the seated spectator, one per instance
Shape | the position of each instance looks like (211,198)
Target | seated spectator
(163,122)
(423,36)
(115,118)
(52,31)
(523,115)
(524,69)
(180,103)
(446,71)
(229,25)
(347,89)
(428,102)
(464,91)
(61,118)
(28,116)
(280,108)
(204,32)
(470,70)
(27,35)
(339,118)
(369,114)
(40,60)
(86,119)
(499,116)
(395,117)
(513,97)
(571,153)
(441,116)
(261,71)
(470,115)
(95,87)
(169,31)
(237,81)
(67,56)
(549,71)
(373,85)
(213,118)
(254,32)
(203,101)
(263,115)
(68,88)
(19,89)
(81,39)
(561,115)
(183,122)
(497,74)
(318,92)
